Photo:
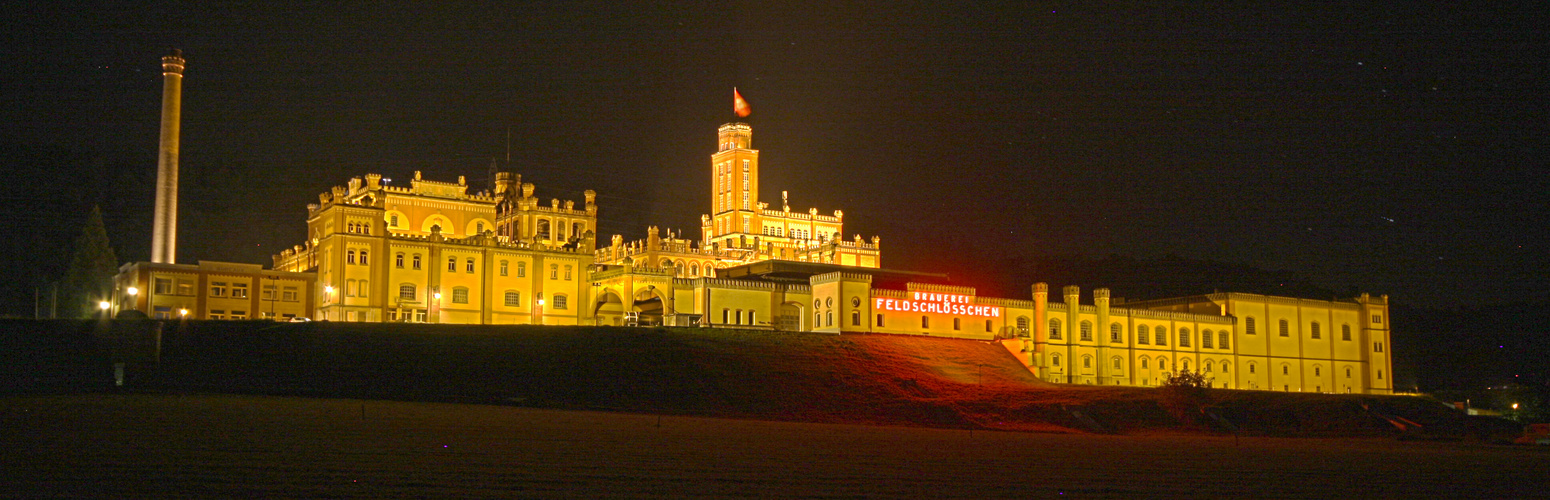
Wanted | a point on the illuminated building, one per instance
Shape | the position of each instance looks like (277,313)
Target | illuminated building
(433,252)
(213,290)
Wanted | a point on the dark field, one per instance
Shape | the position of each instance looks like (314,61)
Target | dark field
(169,445)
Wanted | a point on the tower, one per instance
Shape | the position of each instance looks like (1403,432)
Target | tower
(164,236)
(735,183)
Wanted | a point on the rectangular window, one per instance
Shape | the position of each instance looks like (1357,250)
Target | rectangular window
(1377,318)
(185,288)
(925,322)
(957,324)
(1313,331)
(406,292)
(521,269)
(163,285)
(1285,330)
(239,290)
(559,302)
(239,315)
(416,261)
(554,271)
(737,317)
(855,318)
(217,314)
(1345,332)
(567,273)
(364,262)
(288,294)
(360,289)
(513,299)
(987,326)
(268,293)
(393,221)
(1248,326)
(879,320)
(459,295)
(503,268)
(162,312)
(218,289)
(398,261)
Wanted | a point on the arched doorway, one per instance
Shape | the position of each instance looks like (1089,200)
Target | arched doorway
(609,309)
(649,307)
(789,319)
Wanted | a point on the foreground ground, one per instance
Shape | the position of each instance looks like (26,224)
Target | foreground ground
(161,445)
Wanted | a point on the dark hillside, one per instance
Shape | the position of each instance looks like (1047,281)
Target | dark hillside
(862,379)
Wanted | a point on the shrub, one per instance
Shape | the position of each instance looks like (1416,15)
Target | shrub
(1184,396)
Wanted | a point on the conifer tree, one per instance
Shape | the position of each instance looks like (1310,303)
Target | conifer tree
(90,276)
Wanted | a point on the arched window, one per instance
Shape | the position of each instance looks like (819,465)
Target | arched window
(1117,363)
(567,272)
(1183,337)
(1087,331)
(1248,325)
(1184,365)
(1162,364)
(435,228)
(504,265)
(1054,329)
(513,298)
(1055,360)
(1345,332)
(470,266)
(543,229)
(416,261)
(451,264)
(521,269)
(1143,335)
(1205,339)
(1143,363)
(398,260)
(554,271)
(460,295)
(1251,367)
(364,262)
(1206,367)
(1316,370)
(1286,331)
(1022,324)
(1313,330)
(406,291)
(349,256)
(694,270)
(1347,372)
(829,317)
(1286,370)
(1116,333)
(1087,361)
(1162,336)
(560,302)
(1223,339)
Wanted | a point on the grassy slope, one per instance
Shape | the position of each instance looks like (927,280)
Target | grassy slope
(872,379)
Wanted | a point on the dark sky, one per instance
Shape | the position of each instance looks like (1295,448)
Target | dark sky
(1399,149)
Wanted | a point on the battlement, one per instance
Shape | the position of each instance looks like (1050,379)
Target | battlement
(932,287)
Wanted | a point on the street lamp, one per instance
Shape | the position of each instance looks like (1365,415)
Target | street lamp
(104,305)
(183,312)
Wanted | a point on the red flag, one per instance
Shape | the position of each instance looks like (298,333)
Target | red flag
(739,106)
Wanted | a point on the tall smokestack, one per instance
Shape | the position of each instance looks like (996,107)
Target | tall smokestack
(164,237)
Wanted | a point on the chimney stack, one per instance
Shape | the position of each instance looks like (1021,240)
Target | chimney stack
(164,237)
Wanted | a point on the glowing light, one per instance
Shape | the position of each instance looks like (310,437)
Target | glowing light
(1514,406)
(328,289)
(132,291)
(540,302)
(183,312)
(104,305)
(438,295)
(941,303)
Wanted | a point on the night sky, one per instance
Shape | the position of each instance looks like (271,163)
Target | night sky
(1399,149)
